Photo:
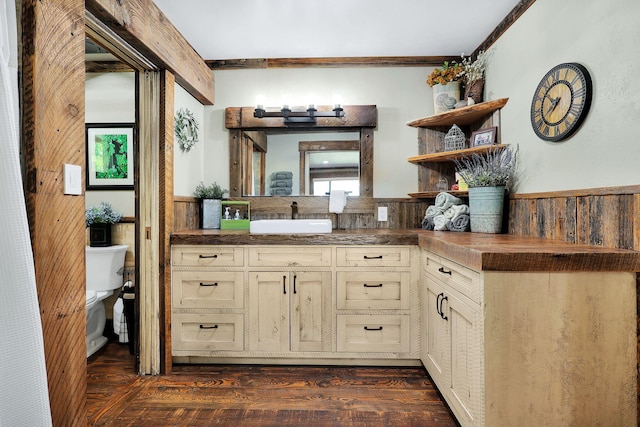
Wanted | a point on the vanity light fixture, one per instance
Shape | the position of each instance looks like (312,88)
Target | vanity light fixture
(306,116)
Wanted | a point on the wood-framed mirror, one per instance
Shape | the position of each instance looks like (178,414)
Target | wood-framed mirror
(248,147)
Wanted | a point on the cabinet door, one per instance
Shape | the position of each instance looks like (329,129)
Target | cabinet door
(437,353)
(269,311)
(310,296)
(465,373)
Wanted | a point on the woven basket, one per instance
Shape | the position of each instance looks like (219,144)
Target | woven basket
(475,90)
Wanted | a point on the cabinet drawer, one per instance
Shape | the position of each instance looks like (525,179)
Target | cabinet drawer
(207,332)
(380,290)
(290,256)
(460,278)
(207,256)
(207,289)
(373,256)
(378,333)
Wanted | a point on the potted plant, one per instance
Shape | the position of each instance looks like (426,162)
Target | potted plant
(445,82)
(488,176)
(474,76)
(99,220)
(210,197)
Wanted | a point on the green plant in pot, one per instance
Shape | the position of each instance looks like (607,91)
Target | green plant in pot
(488,175)
(210,197)
(99,219)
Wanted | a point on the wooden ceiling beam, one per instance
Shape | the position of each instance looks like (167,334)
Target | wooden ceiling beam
(143,25)
(334,62)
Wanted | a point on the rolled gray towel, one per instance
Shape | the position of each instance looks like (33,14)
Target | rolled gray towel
(427,223)
(440,223)
(433,211)
(281,191)
(282,175)
(460,223)
(282,183)
(445,200)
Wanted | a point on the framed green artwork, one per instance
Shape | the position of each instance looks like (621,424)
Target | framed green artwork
(110,156)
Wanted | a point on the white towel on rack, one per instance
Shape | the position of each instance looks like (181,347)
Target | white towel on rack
(337,201)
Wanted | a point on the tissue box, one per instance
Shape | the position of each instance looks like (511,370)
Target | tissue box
(234,215)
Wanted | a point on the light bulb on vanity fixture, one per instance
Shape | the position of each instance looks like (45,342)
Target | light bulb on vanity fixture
(297,116)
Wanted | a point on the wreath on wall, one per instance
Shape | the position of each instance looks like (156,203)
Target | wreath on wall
(186,129)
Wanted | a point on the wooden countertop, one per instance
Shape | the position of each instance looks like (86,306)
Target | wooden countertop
(337,237)
(478,251)
(504,252)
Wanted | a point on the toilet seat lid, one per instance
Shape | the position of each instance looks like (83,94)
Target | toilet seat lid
(91,297)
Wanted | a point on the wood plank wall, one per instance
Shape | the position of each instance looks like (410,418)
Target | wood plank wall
(358,213)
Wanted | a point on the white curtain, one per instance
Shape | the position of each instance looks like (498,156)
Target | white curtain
(24,397)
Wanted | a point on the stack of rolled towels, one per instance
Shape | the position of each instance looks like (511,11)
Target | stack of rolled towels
(281,183)
(448,213)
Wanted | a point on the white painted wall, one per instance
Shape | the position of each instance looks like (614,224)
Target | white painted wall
(189,165)
(110,98)
(400,93)
(602,36)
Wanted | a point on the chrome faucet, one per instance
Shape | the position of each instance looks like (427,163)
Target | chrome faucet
(294,210)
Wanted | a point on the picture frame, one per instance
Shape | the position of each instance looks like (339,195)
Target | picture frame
(110,156)
(485,136)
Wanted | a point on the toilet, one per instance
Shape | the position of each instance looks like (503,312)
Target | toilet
(104,275)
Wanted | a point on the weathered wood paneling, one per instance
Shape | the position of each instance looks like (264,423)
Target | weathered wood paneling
(601,217)
(358,213)
(53,134)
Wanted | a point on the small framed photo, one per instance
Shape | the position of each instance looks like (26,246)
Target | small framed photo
(110,156)
(485,136)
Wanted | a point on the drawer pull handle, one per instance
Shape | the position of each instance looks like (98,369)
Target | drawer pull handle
(284,285)
(295,276)
(208,284)
(379,328)
(207,256)
(209,327)
(373,286)
(373,257)
(443,271)
(440,295)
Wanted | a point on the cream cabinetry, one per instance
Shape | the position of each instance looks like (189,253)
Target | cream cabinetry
(291,311)
(524,347)
(374,285)
(303,302)
(208,302)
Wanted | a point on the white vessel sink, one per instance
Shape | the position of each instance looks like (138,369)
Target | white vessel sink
(290,226)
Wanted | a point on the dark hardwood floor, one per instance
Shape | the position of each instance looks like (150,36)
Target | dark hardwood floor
(241,395)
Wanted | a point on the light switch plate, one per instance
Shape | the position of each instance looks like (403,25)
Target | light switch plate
(382,213)
(72,179)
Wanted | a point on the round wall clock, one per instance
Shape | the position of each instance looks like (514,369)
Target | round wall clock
(561,102)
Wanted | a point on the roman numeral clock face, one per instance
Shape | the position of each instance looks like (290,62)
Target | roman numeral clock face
(561,102)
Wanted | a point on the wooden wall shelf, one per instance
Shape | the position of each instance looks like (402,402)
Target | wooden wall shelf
(451,155)
(433,194)
(436,163)
(460,116)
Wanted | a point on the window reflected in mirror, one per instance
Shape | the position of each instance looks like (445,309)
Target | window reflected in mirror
(333,170)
